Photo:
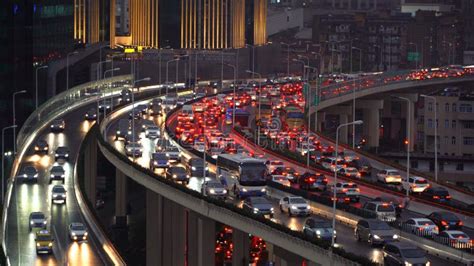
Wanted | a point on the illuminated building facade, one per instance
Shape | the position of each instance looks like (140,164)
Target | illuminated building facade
(188,24)
(91,20)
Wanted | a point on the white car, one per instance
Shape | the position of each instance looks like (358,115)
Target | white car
(271,165)
(303,148)
(173,153)
(415,184)
(58,194)
(330,163)
(214,188)
(77,232)
(199,145)
(295,206)
(57,173)
(389,176)
(37,220)
(456,239)
(152,132)
(423,225)
(350,189)
(134,149)
(281,179)
(350,172)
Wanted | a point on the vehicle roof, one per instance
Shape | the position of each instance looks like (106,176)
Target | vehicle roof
(77,224)
(403,245)
(43,233)
(454,232)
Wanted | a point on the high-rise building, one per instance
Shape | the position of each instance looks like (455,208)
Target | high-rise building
(92,20)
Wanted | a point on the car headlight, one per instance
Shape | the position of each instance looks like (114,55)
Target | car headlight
(193,168)
(255,210)
(85,233)
(294,207)
(395,236)
(318,232)
(244,190)
(175,176)
(73,234)
(263,190)
(37,244)
(224,191)
(36,176)
(271,209)
(167,155)
(408,264)
(25,175)
(50,244)
(45,222)
(51,126)
(212,191)
(376,237)
(31,222)
(187,176)
(335,232)
(67,155)
(155,163)
(207,168)
(63,175)
(118,132)
(51,175)
(307,207)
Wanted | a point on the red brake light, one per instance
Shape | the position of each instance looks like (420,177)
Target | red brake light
(444,223)
(448,197)
(435,197)
(460,223)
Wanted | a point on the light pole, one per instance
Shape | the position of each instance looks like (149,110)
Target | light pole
(435,132)
(99,66)
(408,141)
(381,56)
(133,110)
(304,67)
(416,51)
(354,95)
(67,68)
(14,120)
(177,68)
(3,157)
(111,70)
(357,122)
(100,58)
(112,62)
(233,97)
(167,65)
(36,77)
(259,102)
(288,57)
(308,100)
(332,60)
(253,59)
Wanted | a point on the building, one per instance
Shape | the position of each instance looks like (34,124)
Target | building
(92,20)
(188,24)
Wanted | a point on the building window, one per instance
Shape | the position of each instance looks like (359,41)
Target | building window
(446,107)
(430,107)
(468,124)
(460,167)
(453,124)
(446,123)
(430,123)
(465,108)
(468,141)
(453,140)
(446,140)
(437,105)
(454,108)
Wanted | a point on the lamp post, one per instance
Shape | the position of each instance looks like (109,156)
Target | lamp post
(133,110)
(351,53)
(408,141)
(99,66)
(309,118)
(304,67)
(167,65)
(233,97)
(177,68)
(353,95)
(14,120)
(357,122)
(67,68)
(416,51)
(253,59)
(36,77)
(288,57)
(111,70)
(3,157)
(112,62)
(259,103)
(435,132)
(381,56)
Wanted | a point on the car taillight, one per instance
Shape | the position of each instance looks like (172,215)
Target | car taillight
(460,223)
(435,197)
(444,223)
(344,190)
(448,197)
(358,189)
(347,199)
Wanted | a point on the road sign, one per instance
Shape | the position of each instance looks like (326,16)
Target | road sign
(413,56)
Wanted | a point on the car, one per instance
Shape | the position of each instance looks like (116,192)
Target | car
(445,220)
(400,253)
(173,153)
(122,129)
(105,105)
(351,190)
(375,232)
(152,132)
(159,160)
(41,146)
(399,203)
(62,153)
(91,114)
(389,176)
(57,125)
(77,232)
(37,220)
(415,184)
(271,165)
(259,206)
(303,148)
(29,173)
(310,181)
(281,179)
(437,194)
(155,102)
(57,173)
(363,166)
(44,242)
(214,188)
(155,110)
(125,96)
(58,194)
(196,167)
(134,149)
(341,197)
(145,123)
(350,172)
(330,163)
(177,174)
(422,225)
(289,172)
(383,211)
(455,238)
(319,229)
(295,206)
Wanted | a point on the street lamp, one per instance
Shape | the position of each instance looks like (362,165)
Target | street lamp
(14,120)
(133,110)
(36,77)
(357,122)
(167,64)
(304,57)
(416,51)
(99,66)
(288,57)
(67,68)
(3,157)
(353,94)
(111,70)
(435,132)
(304,67)
(408,141)
(259,102)
(308,99)
(177,67)
(233,98)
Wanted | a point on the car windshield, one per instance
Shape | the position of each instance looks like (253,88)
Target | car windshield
(425,222)
(385,208)
(441,192)
(57,169)
(37,216)
(214,184)
(280,178)
(393,173)
(252,174)
(459,235)
(58,190)
(43,238)
(297,201)
(450,216)
(349,186)
(322,224)
(376,225)
(351,170)
(421,181)
(179,170)
(160,156)
(413,253)
(78,227)
(259,200)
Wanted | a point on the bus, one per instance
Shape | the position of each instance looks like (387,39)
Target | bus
(293,118)
(243,175)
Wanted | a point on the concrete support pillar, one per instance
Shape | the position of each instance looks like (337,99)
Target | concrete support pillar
(240,256)
(372,127)
(321,117)
(154,232)
(343,119)
(285,258)
(120,198)
(90,170)
(201,240)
